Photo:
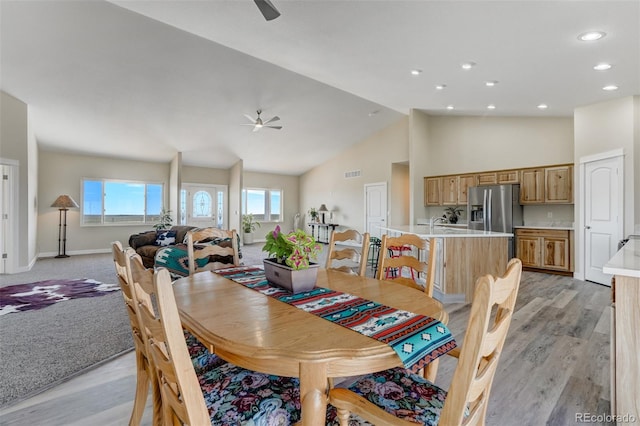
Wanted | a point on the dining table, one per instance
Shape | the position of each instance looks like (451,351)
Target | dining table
(264,334)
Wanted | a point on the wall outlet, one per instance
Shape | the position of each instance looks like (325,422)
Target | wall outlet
(549,215)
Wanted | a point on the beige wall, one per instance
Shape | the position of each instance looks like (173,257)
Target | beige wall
(399,194)
(601,128)
(193,174)
(55,180)
(345,196)
(290,186)
(451,145)
(18,145)
(236,183)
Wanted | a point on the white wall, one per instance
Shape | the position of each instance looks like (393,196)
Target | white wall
(454,145)
(373,156)
(17,143)
(600,128)
(61,173)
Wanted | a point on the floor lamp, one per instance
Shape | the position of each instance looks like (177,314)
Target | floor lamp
(63,203)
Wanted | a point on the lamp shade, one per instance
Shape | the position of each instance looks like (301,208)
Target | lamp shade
(65,202)
(323,208)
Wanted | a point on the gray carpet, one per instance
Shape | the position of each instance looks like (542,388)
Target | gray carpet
(40,348)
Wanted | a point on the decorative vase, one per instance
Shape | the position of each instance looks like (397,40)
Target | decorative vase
(293,280)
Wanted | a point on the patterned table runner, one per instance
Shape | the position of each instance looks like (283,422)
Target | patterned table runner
(417,339)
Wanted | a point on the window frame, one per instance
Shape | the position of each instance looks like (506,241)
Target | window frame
(267,202)
(148,219)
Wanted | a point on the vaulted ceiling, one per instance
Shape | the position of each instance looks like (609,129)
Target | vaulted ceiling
(147,79)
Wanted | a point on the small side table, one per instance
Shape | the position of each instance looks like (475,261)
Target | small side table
(323,231)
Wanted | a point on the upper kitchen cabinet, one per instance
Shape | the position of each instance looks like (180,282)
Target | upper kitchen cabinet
(532,186)
(558,184)
(505,177)
(488,178)
(449,194)
(464,182)
(432,191)
(547,185)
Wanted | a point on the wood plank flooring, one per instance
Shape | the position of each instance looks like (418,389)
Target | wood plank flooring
(555,365)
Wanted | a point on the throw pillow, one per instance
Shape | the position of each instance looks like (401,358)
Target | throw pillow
(165,238)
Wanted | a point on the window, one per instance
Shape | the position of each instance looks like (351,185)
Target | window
(264,204)
(112,202)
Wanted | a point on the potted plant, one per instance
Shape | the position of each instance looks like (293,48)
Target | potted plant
(452,213)
(290,266)
(249,225)
(313,214)
(164,220)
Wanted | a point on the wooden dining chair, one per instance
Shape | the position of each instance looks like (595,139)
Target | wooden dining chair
(416,400)
(212,248)
(350,254)
(223,395)
(403,259)
(145,374)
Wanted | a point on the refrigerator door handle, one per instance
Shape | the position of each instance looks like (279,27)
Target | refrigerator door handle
(484,209)
(489,215)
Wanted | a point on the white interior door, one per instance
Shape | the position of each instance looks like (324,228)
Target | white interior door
(603,215)
(204,205)
(375,208)
(8,214)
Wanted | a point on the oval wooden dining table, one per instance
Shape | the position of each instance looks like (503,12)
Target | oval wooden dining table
(261,333)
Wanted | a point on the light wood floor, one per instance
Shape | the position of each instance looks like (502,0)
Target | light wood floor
(555,364)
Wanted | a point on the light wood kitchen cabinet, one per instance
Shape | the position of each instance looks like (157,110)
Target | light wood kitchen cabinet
(488,178)
(449,195)
(548,249)
(464,182)
(432,191)
(532,186)
(558,184)
(508,177)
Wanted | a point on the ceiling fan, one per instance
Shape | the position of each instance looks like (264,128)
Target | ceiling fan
(259,124)
(268,10)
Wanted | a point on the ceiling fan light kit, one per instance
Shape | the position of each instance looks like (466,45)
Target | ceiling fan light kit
(259,124)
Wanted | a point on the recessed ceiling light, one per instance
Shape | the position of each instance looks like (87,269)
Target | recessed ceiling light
(610,87)
(449,106)
(591,35)
(441,86)
(491,106)
(542,106)
(468,65)
(603,66)
(416,72)
(490,83)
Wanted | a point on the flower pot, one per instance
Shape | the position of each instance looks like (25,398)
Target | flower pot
(247,237)
(290,279)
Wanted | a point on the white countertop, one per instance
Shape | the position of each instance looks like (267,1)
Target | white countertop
(424,231)
(559,228)
(626,261)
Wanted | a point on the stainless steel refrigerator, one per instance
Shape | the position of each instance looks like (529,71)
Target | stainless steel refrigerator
(495,208)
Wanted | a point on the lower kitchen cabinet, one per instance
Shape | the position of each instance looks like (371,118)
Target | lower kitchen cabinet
(547,249)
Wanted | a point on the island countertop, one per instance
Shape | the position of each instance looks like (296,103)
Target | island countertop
(626,261)
(425,231)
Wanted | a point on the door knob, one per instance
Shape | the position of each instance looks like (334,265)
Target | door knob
(587,227)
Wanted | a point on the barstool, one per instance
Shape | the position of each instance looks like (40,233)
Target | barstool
(397,251)
(374,253)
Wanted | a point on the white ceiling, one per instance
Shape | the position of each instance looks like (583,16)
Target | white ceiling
(146,79)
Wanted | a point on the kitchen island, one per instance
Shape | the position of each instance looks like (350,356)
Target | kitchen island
(625,332)
(463,256)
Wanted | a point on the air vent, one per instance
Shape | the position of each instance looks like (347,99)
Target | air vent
(352,174)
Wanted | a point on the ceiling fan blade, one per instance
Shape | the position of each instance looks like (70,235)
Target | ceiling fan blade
(274,127)
(251,119)
(268,10)
(257,128)
(274,118)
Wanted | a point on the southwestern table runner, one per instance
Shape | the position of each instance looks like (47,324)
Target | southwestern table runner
(417,339)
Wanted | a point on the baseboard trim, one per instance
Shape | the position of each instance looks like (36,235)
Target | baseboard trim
(74,252)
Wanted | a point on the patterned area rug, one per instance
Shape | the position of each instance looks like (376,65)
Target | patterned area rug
(38,295)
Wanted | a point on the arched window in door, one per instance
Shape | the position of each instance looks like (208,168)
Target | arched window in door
(202,205)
